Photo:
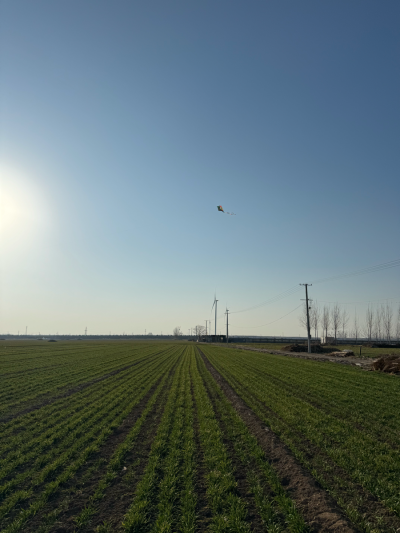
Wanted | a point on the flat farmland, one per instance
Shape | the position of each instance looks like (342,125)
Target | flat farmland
(366,351)
(176,437)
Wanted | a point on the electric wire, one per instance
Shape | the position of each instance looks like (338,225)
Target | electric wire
(295,288)
(262,325)
(276,298)
(360,302)
(366,270)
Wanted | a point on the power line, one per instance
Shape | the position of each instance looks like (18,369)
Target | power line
(361,302)
(294,289)
(366,270)
(276,298)
(277,320)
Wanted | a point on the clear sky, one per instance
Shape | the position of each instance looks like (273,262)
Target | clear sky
(124,124)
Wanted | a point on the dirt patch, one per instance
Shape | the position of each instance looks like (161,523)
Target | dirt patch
(389,363)
(319,510)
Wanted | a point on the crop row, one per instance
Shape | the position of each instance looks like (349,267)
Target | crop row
(117,458)
(65,455)
(166,497)
(334,390)
(44,421)
(23,448)
(340,454)
(20,390)
(164,485)
(276,509)
(21,357)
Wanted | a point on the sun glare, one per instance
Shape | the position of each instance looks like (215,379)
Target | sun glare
(23,210)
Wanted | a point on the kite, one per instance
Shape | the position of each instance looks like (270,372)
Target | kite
(219,207)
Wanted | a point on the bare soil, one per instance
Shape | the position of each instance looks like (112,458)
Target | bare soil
(389,363)
(319,510)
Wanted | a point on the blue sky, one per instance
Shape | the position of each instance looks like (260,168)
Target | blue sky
(124,124)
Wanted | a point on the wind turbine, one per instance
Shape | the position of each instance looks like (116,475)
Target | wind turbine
(215,303)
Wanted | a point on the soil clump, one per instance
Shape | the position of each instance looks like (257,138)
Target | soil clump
(389,363)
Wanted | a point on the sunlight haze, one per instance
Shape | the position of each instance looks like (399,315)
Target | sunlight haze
(125,124)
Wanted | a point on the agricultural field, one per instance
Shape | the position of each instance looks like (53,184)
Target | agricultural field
(366,351)
(176,437)
(264,345)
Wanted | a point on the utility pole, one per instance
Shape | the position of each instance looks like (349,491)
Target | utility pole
(227,326)
(86,330)
(206,328)
(308,316)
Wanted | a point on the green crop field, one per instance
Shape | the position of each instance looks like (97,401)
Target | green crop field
(178,437)
(366,351)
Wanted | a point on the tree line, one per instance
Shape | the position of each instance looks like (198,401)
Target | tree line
(380,322)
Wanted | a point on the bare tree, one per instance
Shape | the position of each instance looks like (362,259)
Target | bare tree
(387,319)
(369,322)
(336,319)
(177,332)
(344,320)
(378,323)
(326,320)
(199,331)
(315,317)
(303,317)
(398,325)
(356,325)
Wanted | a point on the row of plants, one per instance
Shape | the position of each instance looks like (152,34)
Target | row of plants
(229,511)
(116,461)
(19,390)
(19,434)
(50,470)
(276,509)
(25,357)
(335,390)
(39,450)
(164,498)
(339,454)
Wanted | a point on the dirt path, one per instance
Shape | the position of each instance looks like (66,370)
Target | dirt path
(318,508)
